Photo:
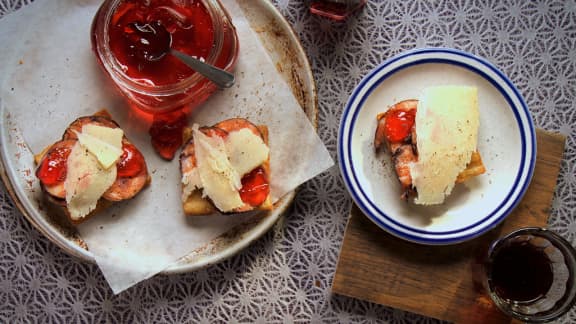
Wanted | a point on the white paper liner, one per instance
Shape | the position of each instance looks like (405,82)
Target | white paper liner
(50,76)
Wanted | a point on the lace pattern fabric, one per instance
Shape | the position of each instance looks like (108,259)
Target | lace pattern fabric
(286,275)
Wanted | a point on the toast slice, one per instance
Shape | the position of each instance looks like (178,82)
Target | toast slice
(254,191)
(73,177)
(432,147)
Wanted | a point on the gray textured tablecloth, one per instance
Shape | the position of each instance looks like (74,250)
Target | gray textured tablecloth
(286,275)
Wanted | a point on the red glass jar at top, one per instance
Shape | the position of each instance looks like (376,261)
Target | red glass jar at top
(200,28)
(337,10)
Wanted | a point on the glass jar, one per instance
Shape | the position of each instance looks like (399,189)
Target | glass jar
(200,28)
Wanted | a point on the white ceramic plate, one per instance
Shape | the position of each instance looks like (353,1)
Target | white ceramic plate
(286,52)
(506,143)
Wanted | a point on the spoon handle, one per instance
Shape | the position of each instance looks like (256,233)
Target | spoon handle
(221,78)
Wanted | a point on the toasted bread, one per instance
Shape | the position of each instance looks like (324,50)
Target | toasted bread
(433,141)
(122,187)
(197,203)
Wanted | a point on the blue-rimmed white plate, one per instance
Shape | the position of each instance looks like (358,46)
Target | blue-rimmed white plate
(506,141)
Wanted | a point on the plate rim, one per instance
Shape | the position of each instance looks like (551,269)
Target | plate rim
(456,57)
(75,249)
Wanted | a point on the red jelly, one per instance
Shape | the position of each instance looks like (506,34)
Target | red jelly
(131,162)
(255,187)
(52,169)
(166,133)
(399,125)
(146,42)
(140,34)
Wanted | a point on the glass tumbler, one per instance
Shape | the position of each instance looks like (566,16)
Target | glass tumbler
(530,274)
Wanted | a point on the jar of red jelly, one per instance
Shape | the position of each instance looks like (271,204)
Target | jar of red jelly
(200,28)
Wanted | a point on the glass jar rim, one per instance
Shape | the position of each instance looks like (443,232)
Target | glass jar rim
(219,18)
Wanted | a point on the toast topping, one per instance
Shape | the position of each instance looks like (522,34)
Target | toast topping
(131,162)
(223,162)
(86,181)
(447,122)
(91,167)
(219,180)
(93,162)
(52,171)
(255,187)
(246,150)
(104,142)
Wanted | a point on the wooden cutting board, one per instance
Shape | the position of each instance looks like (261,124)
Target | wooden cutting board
(439,281)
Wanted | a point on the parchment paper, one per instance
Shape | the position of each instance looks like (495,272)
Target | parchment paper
(50,77)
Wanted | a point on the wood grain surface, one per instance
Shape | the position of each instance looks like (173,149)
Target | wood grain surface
(443,282)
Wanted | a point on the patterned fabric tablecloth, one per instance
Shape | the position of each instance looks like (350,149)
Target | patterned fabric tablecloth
(286,275)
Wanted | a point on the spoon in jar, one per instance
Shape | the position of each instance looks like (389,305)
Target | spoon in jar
(151,42)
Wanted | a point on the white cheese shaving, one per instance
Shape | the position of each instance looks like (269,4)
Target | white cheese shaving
(246,150)
(190,182)
(447,123)
(219,180)
(104,142)
(86,181)
(112,136)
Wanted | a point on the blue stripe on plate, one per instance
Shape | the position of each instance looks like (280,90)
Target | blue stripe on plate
(344,150)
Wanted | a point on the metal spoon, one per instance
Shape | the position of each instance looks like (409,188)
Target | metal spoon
(152,42)
(221,78)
